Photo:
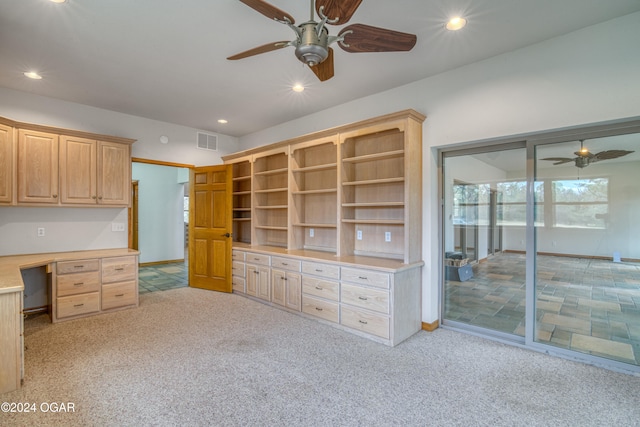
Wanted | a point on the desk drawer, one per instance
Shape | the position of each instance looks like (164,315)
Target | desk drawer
(372,299)
(237,255)
(322,270)
(79,266)
(237,269)
(78,283)
(118,269)
(257,259)
(238,284)
(285,263)
(371,323)
(78,304)
(321,288)
(320,308)
(365,277)
(119,295)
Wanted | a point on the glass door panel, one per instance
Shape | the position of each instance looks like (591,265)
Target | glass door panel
(484,221)
(587,234)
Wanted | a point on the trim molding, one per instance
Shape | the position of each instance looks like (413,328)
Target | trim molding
(161,163)
(169,261)
(430,327)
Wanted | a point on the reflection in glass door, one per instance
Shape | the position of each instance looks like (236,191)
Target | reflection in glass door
(484,222)
(587,281)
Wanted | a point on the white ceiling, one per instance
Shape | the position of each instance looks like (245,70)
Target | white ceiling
(166,60)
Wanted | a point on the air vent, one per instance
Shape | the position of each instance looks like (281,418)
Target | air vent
(207,142)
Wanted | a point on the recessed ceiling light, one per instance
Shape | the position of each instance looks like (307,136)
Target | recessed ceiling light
(33,75)
(223,121)
(298,87)
(58,1)
(456,23)
(164,139)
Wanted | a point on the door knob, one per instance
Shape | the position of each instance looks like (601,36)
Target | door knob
(227,235)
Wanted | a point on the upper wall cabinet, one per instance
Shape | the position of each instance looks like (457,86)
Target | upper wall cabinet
(60,167)
(7,164)
(353,191)
(94,172)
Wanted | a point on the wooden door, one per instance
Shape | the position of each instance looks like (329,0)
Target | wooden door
(37,167)
(114,173)
(77,170)
(210,224)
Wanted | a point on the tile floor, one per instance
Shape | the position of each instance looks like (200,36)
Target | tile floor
(162,277)
(590,306)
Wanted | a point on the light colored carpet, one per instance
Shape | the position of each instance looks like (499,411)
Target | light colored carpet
(193,357)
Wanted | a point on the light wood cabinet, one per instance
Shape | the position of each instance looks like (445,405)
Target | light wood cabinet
(37,167)
(45,166)
(7,164)
(286,288)
(11,348)
(86,287)
(258,281)
(242,201)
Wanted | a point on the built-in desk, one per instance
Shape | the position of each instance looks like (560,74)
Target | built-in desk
(11,300)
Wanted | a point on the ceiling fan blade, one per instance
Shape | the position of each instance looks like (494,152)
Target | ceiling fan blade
(324,70)
(559,160)
(268,10)
(611,154)
(260,49)
(341,9)
(365,38)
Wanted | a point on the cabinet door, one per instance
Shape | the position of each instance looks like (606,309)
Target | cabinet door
(252,280)
(114,173)
(278,284)
(78,170)
(37,167)
(293,295)
(6,164)
(264,288)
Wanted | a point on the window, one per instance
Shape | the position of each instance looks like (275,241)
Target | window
(512,203)
(186,209)
(580,203)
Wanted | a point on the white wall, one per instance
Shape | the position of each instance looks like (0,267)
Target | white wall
(79,228)
(587,76)
(160,212)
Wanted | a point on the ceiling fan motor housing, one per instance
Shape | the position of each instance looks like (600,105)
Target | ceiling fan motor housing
(312,48)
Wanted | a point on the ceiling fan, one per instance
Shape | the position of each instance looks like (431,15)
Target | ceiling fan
(585,158)
(312,42)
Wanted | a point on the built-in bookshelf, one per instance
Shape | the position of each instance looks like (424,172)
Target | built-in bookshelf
(242,201)
(270,198)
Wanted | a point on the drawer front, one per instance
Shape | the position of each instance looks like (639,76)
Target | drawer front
(79,266)
(326,310)
(285,263)
(78,304)
(322,270)
(237,269)
(118,269)
(119,295)
(371,323)
(238,284)
(321,288)
(237,255)
(79,283)
(365,277)
(372,299)
(257,259)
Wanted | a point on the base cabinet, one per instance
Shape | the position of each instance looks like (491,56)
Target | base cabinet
(379,303)
(86,287)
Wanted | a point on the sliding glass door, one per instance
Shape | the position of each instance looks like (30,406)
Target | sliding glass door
(484,212)
(587,260)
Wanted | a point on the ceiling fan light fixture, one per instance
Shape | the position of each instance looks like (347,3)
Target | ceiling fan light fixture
(32,75)
(312,48)
(456,23)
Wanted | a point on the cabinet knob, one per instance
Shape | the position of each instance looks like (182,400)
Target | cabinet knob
(55,196)
(93,197)
(100,198)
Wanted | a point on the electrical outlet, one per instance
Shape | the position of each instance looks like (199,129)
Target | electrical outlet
(40,231)
(359,234)
(117,226)
(312,232)
(387,236)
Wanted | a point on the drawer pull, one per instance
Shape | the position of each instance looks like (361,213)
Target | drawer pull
(364,322)
(78,284)
(256,259)
(119,268)
(318,288)
(318,270)
(284,263)
(362,278)
(318,308)
(363,298)
(78,266)
(120,295)
(78,305)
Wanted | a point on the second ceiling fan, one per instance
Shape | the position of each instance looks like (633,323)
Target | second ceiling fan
(312,42)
